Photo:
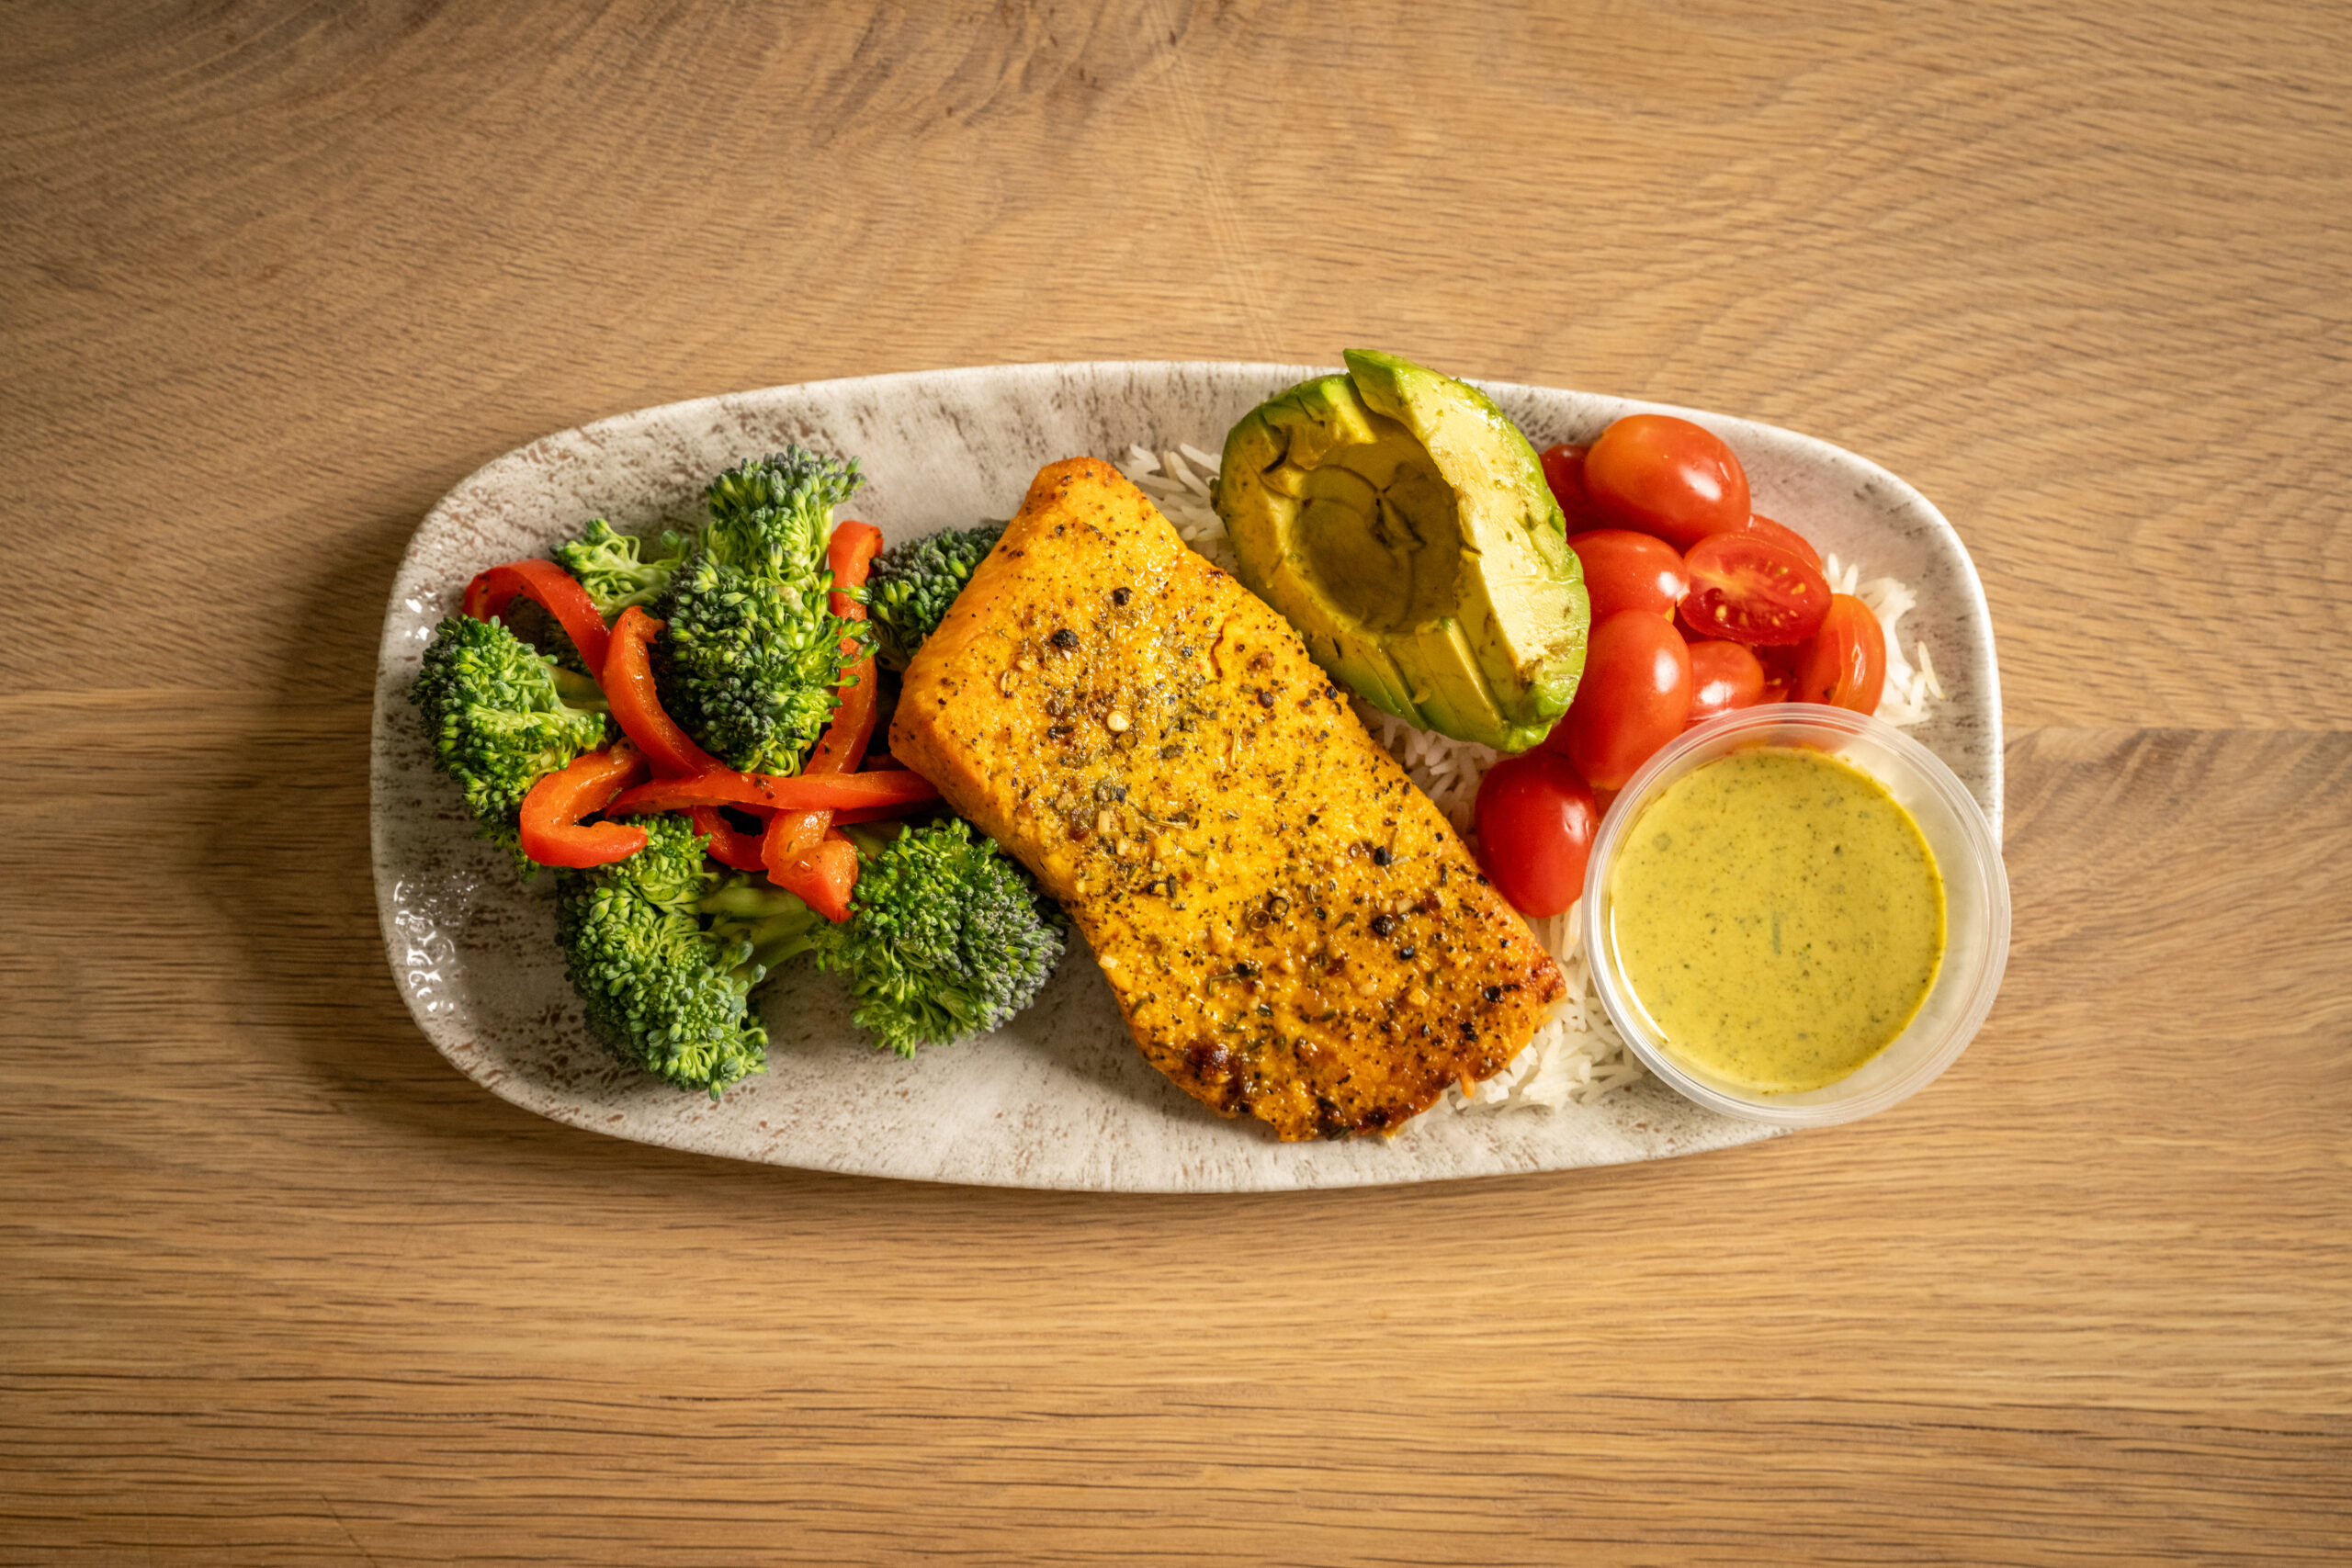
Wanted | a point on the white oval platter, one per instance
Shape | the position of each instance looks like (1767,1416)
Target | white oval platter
(1059,1098)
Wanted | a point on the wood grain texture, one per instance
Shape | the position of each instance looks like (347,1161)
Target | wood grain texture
(276,1286)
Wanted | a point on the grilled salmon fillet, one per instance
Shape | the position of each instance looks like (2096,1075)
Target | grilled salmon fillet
(1291,927)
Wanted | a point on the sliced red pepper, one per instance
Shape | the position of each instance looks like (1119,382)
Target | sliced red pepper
(491,592)
(636,706)
(792,834)
(552,834)
(727,847)
(723,786)
(823,878)
(842,746)
(850,556)
(850,816)
(801,838)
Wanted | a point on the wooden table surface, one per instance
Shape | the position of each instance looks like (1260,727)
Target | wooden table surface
(277,1285)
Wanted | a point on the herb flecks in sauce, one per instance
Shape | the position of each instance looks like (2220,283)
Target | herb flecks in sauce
(1779,917)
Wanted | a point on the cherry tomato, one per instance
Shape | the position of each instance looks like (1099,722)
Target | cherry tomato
(1635,697)
(1744,589)
(1779,672)
(1626,570)
(1724,676)
(1762,528)
(1564,471)
(1535,824)
(1668,477)
(1844,663)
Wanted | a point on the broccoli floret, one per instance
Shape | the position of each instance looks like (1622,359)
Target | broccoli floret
(752,654)
(500,715)
(774,926)
(664,983)
(946,938)
(912,584)
(773,515)
(622,570)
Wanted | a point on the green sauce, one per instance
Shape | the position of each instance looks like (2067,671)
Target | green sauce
(1778,917)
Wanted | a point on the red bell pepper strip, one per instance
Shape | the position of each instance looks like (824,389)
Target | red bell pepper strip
(822,878)
(791,834)
(850,556)
(723,786)
(636,706)
(552,830)
(842,746)
(850,816)
(727,847)
(491,593)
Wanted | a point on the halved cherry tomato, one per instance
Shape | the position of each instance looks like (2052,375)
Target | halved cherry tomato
(1635,697)
(1746,590)
(557,591)
(1536,820)
(1626,570)
(1669,477)
(1780,671)
(1844,663)
(551,829)
(1762,528)
(1564,471)
(1724,676)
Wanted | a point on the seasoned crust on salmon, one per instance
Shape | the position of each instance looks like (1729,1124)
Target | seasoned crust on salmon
(1291,927)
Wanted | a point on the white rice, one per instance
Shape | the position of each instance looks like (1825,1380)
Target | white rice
(1577,1055)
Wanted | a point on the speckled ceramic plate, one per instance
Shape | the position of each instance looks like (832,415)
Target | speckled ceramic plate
(1060,1097)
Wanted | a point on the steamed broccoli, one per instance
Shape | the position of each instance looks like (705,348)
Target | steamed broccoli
(500,715)
(752,654)
(621,570)
(946,938)
(663,983)
(912,584)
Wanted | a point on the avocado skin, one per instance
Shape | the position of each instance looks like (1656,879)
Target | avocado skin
(1401,523)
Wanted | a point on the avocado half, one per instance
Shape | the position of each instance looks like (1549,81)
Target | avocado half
(1402,524)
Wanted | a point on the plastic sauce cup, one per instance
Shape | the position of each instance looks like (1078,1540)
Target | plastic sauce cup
(1976,910)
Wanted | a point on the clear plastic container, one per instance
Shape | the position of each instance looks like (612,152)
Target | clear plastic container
(1976,909)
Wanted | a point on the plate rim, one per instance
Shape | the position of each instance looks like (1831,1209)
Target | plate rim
(1975,612)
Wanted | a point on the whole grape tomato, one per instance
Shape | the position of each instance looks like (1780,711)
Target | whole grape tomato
(1564,471)
(1844,663)
(1724,676)
(1536,820)
(1628,570)
(1669,477)
(1635,697)
(1744,589)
